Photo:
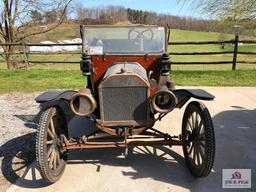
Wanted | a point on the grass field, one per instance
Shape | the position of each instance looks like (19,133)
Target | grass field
(40,80)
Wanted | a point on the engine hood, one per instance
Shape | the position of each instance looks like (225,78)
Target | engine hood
(126,67)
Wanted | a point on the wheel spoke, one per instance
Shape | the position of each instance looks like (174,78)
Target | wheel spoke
(200,131)
(202,143)
(192,146)
(58,157)
(200,124)
(194,154)
(54,160)
(201,136)
(197,118)
(189,123)
(200,151)
(49,151)
(198,158)
(187,127)
(49,142)
(50,133)
(52,126)
(193,120)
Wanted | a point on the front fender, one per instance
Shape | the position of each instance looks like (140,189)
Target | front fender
(56,98)
(54,95)
(183,95)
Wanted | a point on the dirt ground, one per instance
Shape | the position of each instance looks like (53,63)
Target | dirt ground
(145,168)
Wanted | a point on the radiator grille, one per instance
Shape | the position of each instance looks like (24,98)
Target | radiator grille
(124,93)
(124,103)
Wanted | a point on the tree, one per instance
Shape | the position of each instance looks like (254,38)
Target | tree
(101,15)
(36,17)
(51,16)
(227,9)
(16,21)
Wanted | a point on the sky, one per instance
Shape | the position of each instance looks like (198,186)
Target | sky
(160,6)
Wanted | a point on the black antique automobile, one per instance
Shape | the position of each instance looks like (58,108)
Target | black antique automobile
(128,89)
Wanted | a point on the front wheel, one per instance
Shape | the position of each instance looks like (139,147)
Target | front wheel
(51,161)
(198,134)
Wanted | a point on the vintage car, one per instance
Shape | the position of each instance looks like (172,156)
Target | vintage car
(128,89)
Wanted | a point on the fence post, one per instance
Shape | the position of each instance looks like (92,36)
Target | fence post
(236,41)
(25,55)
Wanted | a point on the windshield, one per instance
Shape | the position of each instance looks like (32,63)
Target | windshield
(123,40)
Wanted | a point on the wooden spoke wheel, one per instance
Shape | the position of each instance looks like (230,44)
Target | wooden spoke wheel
(198,134)
(51,161)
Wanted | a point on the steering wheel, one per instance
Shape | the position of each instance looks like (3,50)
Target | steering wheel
(138,37)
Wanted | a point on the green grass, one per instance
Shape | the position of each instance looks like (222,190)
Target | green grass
(215,78)
(185,35)
(41,80)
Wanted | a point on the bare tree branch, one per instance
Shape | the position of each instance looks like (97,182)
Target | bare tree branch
(16,23)
(49,29)
(226,9)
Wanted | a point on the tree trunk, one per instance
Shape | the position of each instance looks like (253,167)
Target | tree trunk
(8,57)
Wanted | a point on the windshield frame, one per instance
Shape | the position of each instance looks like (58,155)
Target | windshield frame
(83,34)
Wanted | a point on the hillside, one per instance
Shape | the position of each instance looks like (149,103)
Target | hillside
(65,31)
(71,30)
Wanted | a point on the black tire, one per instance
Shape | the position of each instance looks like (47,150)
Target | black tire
(51,162)
(198,134)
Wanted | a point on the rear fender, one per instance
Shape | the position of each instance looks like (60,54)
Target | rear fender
(183,95)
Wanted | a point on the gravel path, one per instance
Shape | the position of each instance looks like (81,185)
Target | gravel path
(18,123)
(17,113)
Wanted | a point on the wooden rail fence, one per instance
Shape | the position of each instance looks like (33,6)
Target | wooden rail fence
(235,52)
(235,42)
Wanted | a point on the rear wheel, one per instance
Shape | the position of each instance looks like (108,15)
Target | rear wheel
(198,134)
(51,161)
